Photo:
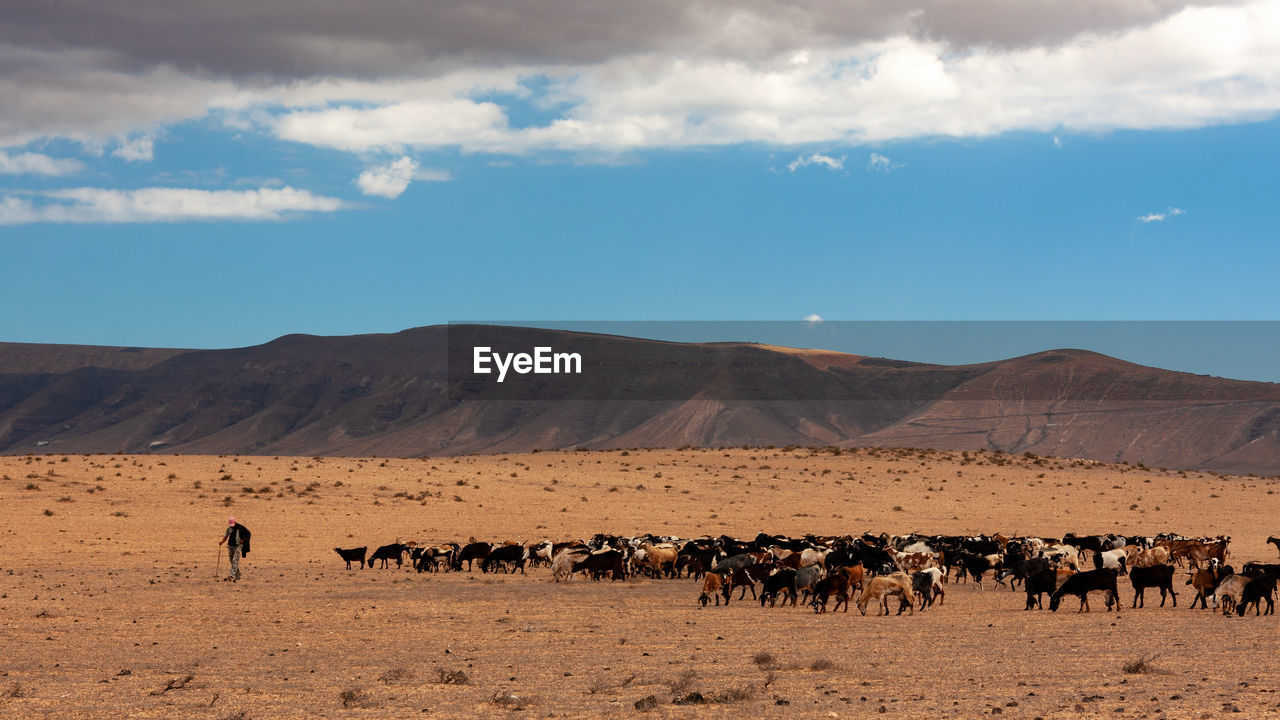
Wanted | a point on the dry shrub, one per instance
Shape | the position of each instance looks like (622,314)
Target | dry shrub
(763,659)
(508,700)
(453,677)
(355,697)
(1140,665)
(395,675)
(821,664)
(683,682)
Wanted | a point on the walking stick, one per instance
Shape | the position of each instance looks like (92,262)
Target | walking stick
(218,568)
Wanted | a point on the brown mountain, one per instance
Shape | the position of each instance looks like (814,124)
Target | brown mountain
(393,395)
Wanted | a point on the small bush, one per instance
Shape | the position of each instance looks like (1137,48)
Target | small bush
(1141,665)
(683,682)
(16,690)
(395,675)
(453,677)
(508,700)
(821,664)
(763,658)
(355,697)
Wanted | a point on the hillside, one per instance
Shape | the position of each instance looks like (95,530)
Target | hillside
(391,395)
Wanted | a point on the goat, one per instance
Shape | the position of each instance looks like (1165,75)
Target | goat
(1227,594)
(601,563)
(747,577)
(1037,583)
(782,583)
(1081,584)
(837,583)
(927,584)
(472,551)
(394,551)
(659,558)
(352,555)
(562,565)
(1258,589)
(1111,560)
(1156,576)
(977,565)
(510,557)
(1274,541)
(1205,580)
(1256,568)
(882,587)
(713,585)
(806,579)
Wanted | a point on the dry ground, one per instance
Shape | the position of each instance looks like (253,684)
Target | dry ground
(109,597)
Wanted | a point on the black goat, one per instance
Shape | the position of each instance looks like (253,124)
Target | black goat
(1258,589)
(510,557)
(1081,584)
(782,583)
(352,555)
(394,551)
(470,552)
(1156,576)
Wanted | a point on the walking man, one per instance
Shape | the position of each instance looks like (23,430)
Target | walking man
(237,539)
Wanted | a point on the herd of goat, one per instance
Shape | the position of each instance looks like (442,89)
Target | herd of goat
(911,569)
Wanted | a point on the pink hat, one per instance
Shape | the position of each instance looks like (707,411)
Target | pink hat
(231,521)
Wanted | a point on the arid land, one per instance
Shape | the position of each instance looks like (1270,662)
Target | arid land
(111,607)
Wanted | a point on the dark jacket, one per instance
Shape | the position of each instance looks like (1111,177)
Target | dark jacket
(239,535)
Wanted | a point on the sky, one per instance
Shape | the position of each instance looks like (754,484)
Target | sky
(231,173)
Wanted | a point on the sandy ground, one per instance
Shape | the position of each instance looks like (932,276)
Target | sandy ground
(109,593)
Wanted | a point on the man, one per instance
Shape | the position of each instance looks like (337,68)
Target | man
(237,539)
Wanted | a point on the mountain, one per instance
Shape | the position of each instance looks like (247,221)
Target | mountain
(409,393)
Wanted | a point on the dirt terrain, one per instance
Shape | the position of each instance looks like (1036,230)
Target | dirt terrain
(110,605)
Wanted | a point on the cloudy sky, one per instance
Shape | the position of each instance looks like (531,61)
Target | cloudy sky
(217,174)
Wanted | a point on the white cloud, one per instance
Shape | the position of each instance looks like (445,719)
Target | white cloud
(1057,141)
(882,163)
(37,164)
(1160,217)
(829,162)
(388,181)
(140,149)
(813,319)
(391,180)
(757,75)
(146,205)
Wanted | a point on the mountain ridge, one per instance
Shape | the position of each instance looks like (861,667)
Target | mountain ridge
(391,394)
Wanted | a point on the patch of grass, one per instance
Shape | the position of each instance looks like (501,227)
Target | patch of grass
(238,715)
(734,694)
(508,700)
(453,677)
(763,659)
(355,697)
(395,675)
(16,690)
(683,682)
(1141,665)
(821,664)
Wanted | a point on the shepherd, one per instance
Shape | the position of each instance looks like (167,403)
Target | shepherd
(237,539)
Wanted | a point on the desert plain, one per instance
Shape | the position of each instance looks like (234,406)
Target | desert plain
(112,606)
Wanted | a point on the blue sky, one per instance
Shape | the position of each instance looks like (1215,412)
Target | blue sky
(900,176)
